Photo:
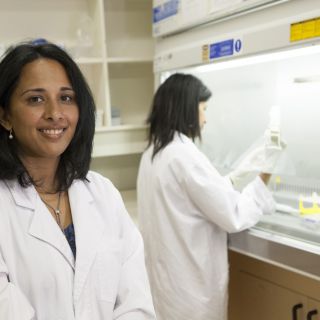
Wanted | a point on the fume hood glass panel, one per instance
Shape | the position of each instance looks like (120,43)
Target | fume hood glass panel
(245,91)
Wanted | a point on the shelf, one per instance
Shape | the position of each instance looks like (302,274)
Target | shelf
(119,140)
(130,51)
(131,86)
(127,127)
(129,60)
(112,151)
(87,60)
(94,73)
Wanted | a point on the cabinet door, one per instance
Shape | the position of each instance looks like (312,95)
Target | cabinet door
(252,298)
(313,311)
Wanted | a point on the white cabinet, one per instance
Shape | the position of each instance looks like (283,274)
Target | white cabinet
(111,40)
(128,29)
(129,62)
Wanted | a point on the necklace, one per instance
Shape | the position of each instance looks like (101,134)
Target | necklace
(56,210)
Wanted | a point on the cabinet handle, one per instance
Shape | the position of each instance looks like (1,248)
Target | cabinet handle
(295,308)
(311,314)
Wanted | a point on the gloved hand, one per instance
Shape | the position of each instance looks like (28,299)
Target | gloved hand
(261,159)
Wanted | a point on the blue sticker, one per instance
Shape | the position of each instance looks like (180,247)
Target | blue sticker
(165,10)
(225,48)
(221,49)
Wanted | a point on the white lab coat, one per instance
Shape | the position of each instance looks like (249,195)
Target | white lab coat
(186,208)
(107,281)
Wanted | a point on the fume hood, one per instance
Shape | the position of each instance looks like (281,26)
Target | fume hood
(265,62)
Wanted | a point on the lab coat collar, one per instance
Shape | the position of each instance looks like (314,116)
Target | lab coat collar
(178,136)
(42,225)
(88,224)
(23,197)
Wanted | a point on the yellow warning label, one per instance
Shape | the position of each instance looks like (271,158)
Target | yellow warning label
(205,53)
(305,29)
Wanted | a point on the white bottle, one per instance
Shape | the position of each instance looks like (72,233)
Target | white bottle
(272,134)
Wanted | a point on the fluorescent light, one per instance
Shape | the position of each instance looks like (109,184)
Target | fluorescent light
(307,79)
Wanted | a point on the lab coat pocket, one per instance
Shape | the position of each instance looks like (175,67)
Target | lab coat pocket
(109,271)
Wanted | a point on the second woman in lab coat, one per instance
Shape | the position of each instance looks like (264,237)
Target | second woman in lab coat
(186,208)
(68,249)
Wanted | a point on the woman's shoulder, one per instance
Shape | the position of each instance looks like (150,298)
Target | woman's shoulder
(6,187)
(97,177)
(98,182)
(182,149)
(2,184)
(106,195)
(3,190)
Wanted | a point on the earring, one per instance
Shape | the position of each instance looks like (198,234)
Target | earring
(10,134)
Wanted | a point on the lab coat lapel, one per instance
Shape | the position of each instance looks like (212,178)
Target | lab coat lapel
(42,226)
(88,226)
(46,229)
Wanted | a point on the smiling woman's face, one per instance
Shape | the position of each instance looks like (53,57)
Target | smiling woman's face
(43,112)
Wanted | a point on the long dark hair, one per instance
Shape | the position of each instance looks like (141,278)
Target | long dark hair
(75,161)
(175,107)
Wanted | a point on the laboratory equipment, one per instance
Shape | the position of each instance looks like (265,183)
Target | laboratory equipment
(239,113)
(264,73)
